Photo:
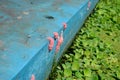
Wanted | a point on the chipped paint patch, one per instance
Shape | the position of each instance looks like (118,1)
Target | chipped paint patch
(25,12)
(19,17)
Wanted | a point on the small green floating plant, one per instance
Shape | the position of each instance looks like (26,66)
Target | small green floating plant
(95,53)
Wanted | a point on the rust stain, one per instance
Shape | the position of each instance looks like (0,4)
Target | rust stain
(1,17)
(1,43)
(2,46)
(9,12)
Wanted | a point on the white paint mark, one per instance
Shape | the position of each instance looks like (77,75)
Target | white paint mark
(19,17)
(25,12)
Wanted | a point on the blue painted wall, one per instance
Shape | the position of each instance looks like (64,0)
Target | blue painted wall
(24,28)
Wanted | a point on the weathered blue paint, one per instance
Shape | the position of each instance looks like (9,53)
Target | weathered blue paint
(24,28)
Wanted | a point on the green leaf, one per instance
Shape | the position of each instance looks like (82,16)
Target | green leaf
(69,78)
(94,76)
(77,55)
(78,74)
(87,72)
(102,76)
(67,56)
(100,56)
(75,65)
(86,62)
(68,65)
(88,78)
(87,53)
(58,79)
(64,66)
(118,75)
(67,72)
(101,46)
